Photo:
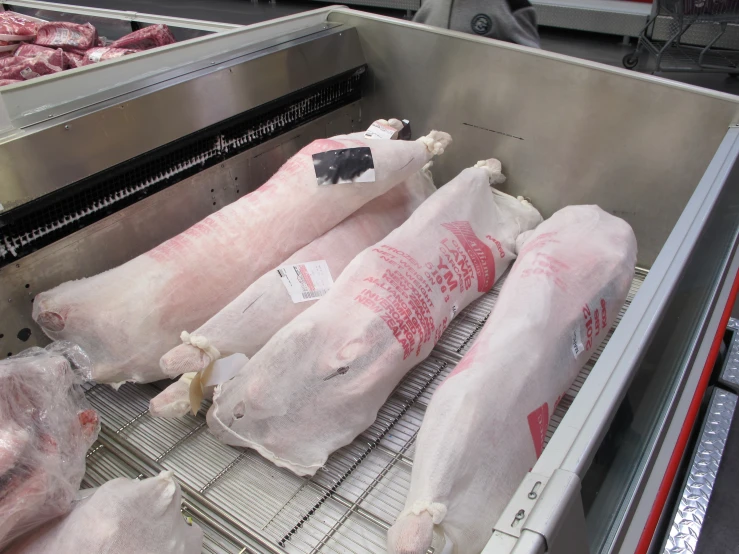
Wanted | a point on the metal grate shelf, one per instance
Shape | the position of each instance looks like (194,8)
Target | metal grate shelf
(246,504)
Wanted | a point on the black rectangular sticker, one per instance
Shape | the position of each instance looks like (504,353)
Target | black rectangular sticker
(348,165)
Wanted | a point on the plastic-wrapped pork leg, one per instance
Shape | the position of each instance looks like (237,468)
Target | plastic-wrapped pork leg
(128,317)
(250,320)
(320,381)
(46,427)
(123,515)
(485,425)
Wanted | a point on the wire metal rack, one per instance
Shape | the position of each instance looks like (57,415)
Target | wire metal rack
(246,504)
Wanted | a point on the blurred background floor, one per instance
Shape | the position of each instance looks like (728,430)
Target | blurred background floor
(607,49)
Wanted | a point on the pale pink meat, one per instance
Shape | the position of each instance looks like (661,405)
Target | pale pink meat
(52,56)
(320,381)
(95,55)
(45,431)
(485,425)
(128,317)
(143,39)
(15,26)
(69,36)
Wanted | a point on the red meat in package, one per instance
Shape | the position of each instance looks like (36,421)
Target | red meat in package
(53,56)
(4,82)
(26,68)
(95,55)
(15,26)
(69,36)
(148,37)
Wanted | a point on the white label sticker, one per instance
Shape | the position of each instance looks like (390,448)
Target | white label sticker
(576,342)
(307,281)
(28,73)
(381,131)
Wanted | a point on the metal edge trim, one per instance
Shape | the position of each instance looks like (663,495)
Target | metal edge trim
(729,376)
(693,505)
(337,13)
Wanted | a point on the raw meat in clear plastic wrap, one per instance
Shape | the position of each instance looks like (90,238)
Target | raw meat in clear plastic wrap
(21,68)
(69,36)
(148,37)
(485,425)
(95,55)
(46,427)
(4,82)
(15,26)
(53,56)
(127,318)
(250,320)
(125,516)
(320,381)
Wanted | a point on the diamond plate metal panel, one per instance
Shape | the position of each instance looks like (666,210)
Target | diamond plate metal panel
(730,374)
(688,521)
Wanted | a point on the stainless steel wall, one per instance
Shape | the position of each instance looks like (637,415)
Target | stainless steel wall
(566,130)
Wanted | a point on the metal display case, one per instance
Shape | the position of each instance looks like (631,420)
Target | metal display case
(99,165)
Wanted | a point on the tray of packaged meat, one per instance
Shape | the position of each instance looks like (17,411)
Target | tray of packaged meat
(245,503)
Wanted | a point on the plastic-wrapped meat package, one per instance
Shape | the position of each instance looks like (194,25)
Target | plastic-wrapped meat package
(127,318)
(26,68)
(250,320)
(4,82)
(46,427)
(75,59)
(95,55)
(69,36)
(123,515)
(52,56)
(485,425)
(320,381)
(16,27)
(148,37)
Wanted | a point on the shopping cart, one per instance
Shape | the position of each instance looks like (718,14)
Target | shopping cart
(672,52)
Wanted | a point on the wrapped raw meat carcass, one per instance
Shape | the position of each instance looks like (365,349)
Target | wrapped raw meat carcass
(485,425)
(46,427)
(250,320)
(52,56)
(143,39)
(320,381)
(4,82)
(127,318)
(16,27)
(75,59)
(69,36)
(123,516)
(95,55)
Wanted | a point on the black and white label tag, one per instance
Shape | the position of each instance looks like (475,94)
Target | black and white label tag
(306,281)
(348,165)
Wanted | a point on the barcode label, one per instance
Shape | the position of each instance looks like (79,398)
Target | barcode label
(307,281)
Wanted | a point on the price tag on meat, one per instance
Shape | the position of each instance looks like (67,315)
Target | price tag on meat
(308,281)
(348,165)
(381,131)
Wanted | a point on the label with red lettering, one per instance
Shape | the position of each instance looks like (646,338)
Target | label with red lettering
(306,281)
(538,423)
(479,253)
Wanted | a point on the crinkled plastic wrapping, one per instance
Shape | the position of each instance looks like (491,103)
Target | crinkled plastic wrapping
(485,425)
(128,317)
(123,516)
(46,428)
(320,381)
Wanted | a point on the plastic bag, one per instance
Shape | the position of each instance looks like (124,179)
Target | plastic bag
(61,34)
(18,27)
(123,515)
(21,68)
(250,320)
(46,427)
(485,425)
(127,318)
(95,55)
(53,56)
(148,37)
(320,381)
